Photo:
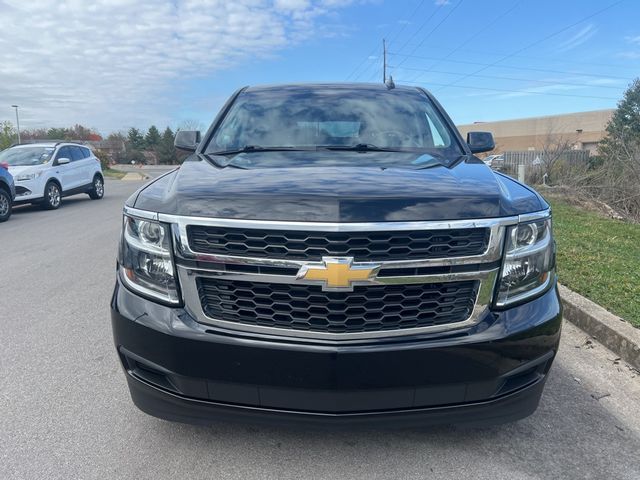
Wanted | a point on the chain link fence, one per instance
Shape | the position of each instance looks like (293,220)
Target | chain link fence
(537,166)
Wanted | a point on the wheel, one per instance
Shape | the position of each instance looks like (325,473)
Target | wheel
(5,205)
(97,191)
(52,196)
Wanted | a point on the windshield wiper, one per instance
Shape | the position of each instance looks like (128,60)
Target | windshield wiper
(434,161)
(360,147)
(214,157)
(254,148)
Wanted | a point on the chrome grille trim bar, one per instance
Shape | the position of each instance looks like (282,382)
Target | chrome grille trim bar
(291,279)
(337,227)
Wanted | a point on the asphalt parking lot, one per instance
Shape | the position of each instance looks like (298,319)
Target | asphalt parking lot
(65,410)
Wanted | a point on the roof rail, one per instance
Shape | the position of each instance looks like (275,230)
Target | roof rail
(56,141)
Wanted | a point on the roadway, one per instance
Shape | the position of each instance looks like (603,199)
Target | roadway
(65,410)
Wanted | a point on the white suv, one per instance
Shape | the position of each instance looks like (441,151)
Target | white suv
(46,172)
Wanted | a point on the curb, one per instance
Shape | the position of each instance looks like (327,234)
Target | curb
(612,331)
(136,176)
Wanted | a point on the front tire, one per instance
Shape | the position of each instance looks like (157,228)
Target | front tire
(97,190)
(5,205)
(52,196)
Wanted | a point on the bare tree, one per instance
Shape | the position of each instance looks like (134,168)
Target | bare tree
(554,147)
(616,178)
(616,181)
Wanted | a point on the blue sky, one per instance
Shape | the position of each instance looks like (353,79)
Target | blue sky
(164,63)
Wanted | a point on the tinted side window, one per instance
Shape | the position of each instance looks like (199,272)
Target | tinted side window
(85,152)
(76,153)
(63,152)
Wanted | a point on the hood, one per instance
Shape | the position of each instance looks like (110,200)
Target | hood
(467,190)
(23,169)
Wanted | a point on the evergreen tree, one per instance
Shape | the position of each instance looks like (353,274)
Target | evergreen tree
(135,139)
(623,131)
(58,133)
(152,138)
(165,150)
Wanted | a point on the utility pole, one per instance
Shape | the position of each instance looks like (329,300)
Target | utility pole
(17,122)
(384,61)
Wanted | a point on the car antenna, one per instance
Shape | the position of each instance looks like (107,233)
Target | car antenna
(389,83)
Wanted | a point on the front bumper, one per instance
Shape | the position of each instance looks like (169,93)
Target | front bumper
(28,191)
(181,370)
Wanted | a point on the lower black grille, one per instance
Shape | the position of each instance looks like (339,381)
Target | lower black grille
(366,309)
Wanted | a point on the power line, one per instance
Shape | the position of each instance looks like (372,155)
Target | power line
(497,77)
(455,7)
(510,91)
(376,74)
(537,42)
(375,48)
(511,67)
(360,64)
(376,66)
(413,14)
(527,57)
(481,30)
(423,24)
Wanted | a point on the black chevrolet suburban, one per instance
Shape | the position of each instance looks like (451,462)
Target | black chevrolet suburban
(335,253)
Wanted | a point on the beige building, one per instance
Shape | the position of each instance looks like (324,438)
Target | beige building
(583,129)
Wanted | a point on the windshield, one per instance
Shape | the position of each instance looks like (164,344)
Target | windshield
(314,118)
(23,156)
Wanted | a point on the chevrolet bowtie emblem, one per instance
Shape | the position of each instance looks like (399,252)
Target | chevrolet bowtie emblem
(338,273)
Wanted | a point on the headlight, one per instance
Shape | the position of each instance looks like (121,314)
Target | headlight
(527,268)
(27,176)
(145,259)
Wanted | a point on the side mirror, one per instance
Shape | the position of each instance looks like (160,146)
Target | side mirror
(480,142)
(62,161)
(187,140)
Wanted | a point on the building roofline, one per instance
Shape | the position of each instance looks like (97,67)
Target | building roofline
(557,115)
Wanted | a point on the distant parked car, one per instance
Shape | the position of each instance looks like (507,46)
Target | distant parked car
(46,172)
(490,159)
(498,162)
(7,192)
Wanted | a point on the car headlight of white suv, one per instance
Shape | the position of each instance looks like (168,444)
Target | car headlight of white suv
(27,176)
(146,263)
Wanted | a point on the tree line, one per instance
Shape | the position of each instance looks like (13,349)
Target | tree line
(152,143)
(136,145)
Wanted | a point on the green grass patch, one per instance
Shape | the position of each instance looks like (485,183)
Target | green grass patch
(111,173)
(599,258)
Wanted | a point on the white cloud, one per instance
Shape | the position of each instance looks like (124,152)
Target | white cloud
(577,39)
(629,55)
(633,39)
(292,4)
(439,3)
(110,64)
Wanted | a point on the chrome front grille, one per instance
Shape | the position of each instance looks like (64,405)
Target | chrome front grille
(263,292)
(362,246)
(366,309)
